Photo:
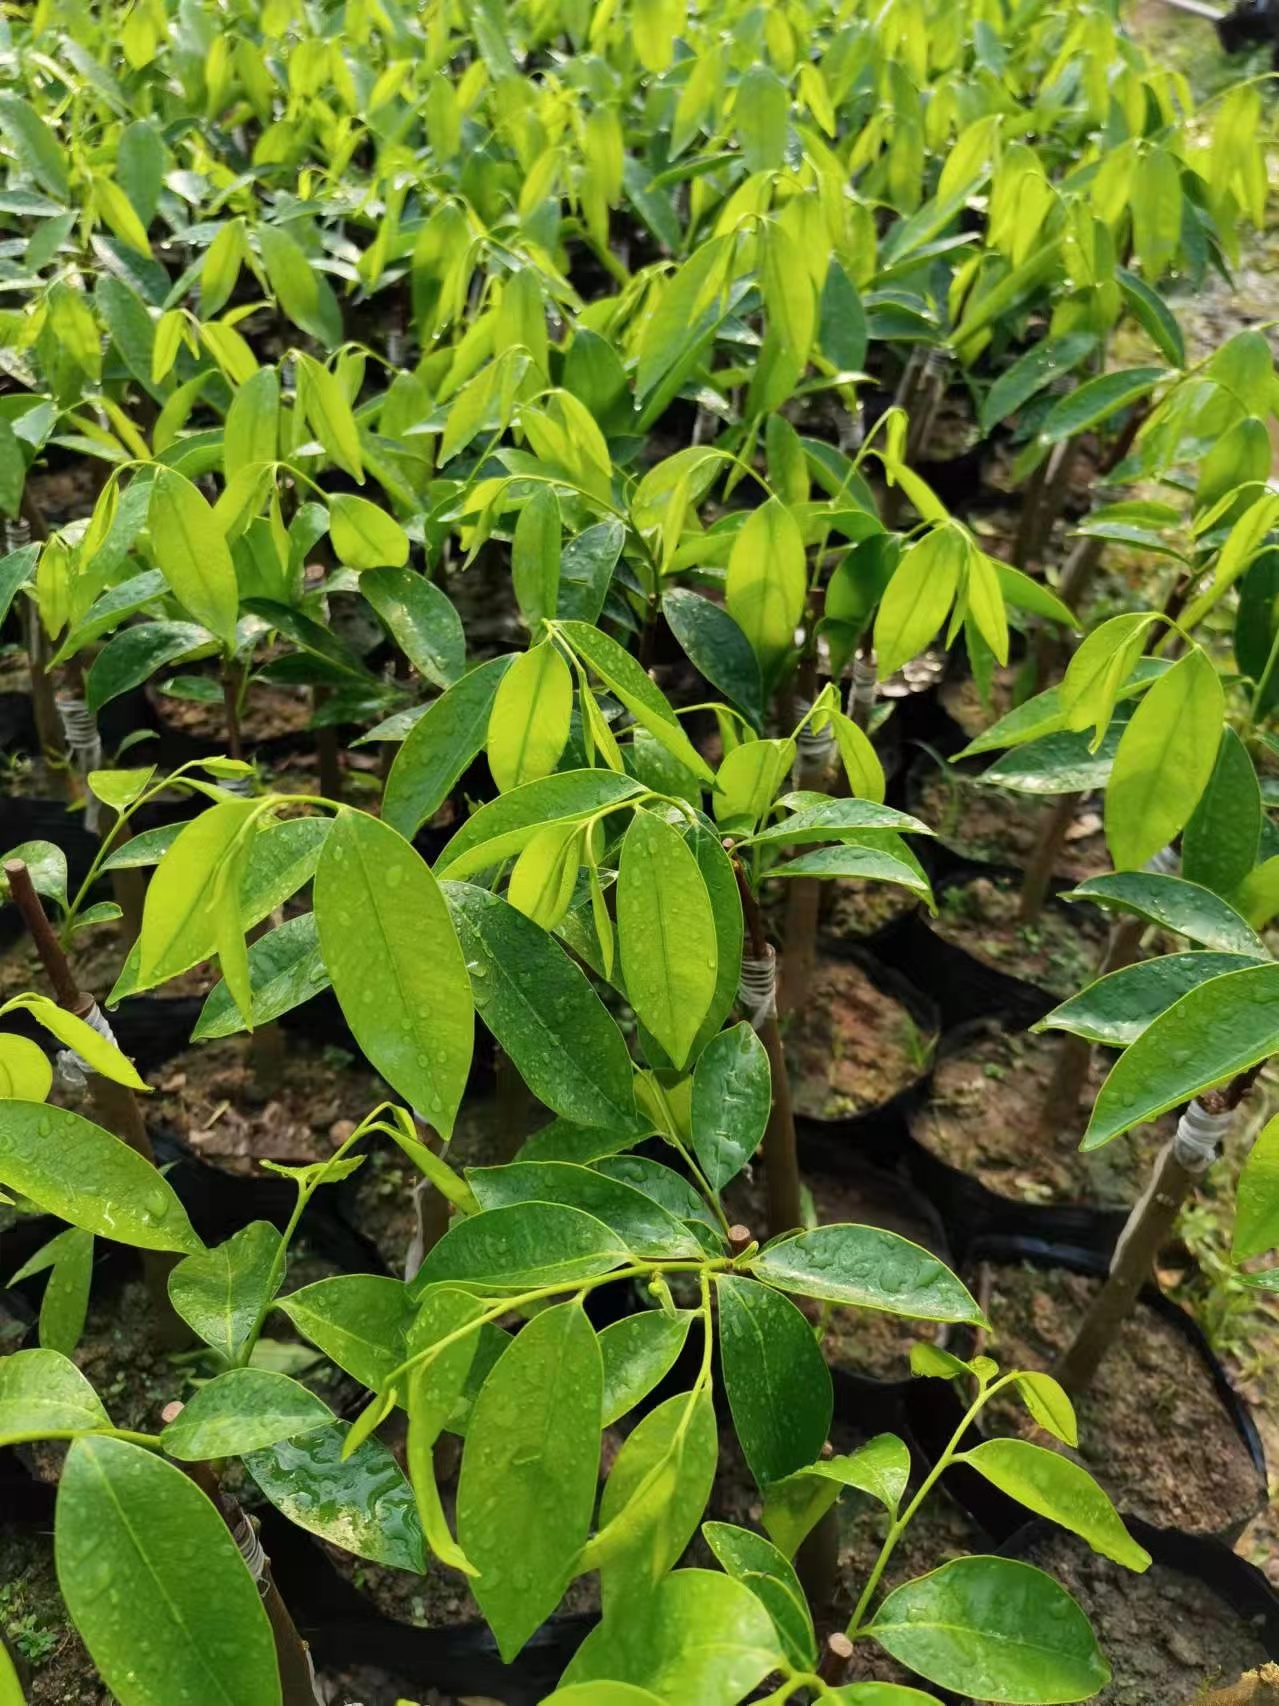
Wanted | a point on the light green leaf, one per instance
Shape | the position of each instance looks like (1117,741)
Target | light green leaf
(638,1351)
(768,581)
(221,1293)
(919,595)
(732,1096)
(666,933)
(1164,761)
(529,723)
(192,553)
(359,1321)
(504,826)
(364,535)
(1056,1487)
(770,1576)
(43,1392)
(1257,1197)
(303,292)
(629,682)
(868,1267)
(242,1410)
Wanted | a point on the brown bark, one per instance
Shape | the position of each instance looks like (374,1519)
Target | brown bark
(1043,861)
(1074,1054)
(780,1151)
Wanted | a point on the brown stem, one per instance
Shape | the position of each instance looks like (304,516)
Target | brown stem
(836,1653)
(817,1563)
(1145,1235)
(780,1150)
(1043,861)
(1074,1054)
(1258,1688)
(329,755)
(232,681)
(514,1105)
(1045,499)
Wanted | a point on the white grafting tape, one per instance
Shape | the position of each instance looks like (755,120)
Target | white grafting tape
(757,988)
(71,1070)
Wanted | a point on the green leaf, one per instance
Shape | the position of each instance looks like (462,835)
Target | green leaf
(1219,1029)
(1174,904)
(43,1392)
(535,556)
(522,1247)
(440,746)
(323,402)
(46,866)
(699,1636)
(756,1562)
(654,1498)
(362,1503)
(779,1388)
(1097,400)
(643,1225)
(869,863)
(666,933)
(1056,1487)
(624,677)
(994,1628)
(868,1267)
(135,654)
(302,291)
(881,1468)
(881,1694)
(527,1486)
(1030,373)
(1257,1197)
(359,1321)
(638,1351)
(180,924)
(250,434)
(286,968)
(715,645)
(1153,315)
(1219,847)
(544,877)
(434,1391)
(364,536)
(768,581)
(38,149)
(1164,760)
(242,1410)
(586,568)
(732,1096)
(1116,1009)
(506,825)
(761,111)
(603,1694)
(1156,203)
(222,1292)
(84,1175)
(395,963)
(69,1258)
(128,1529)
(191,552)
(423,622)
(833,819)
(532,711)
(918,598)
(26,1074)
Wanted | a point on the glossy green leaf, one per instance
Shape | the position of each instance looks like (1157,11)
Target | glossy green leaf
(1049,1405)
(286,968)
(192,553)
(585,570)
(869,1267)
(1174,904)
(643,1225)
(180,925)
(851,860)
(1219,846)
(364,536)
(43,1392)
(666,933)
(629,681)
(362,1503)
(303,292)
(359,1321)
(505,826)
(395,963)
(84,1175)
(918,597)
(323,401)
(250,434)
(529,724)
(26,1073)
(756,1562)
(423,622)
(434,1390)
(779,1388)
(527,1487)
(128,1530)
(1164,761)
(654,1498)
(242,1410)
(1068,761)
(523,1246)
(638,1351)
(732,1096)
(1098,400)
(68,1257)
(440,746)
(1043,362)
(221,1293)
(1257,1197)
(1117,1008)
(1056,1487)
(717,646)
(535,556)
(831,820)
(698,1636)
(134,655)
(768,581)
(1216,1030)
(996,1629)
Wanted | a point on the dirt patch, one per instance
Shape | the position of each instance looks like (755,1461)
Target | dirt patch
(1003,828)
(854,908)
(278,1097)
(983,1118)
(269,712)
(38,1629)
(1152,1429)
(1165,1635)
(854,1047)
(1060,952)
(961,698)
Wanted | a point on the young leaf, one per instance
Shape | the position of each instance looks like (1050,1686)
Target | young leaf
(522,1247)
(535,556)
(26,1074)
(395,963)
(192,553)
(1257,1197)
(666,933)
(364,536)
(434,1389)
(757,1563)
(628,681)
(504,826)
(1164,760)
(996,1629)
(868,1267)
(638,1351)
(250,433)
(527,1486)
(529,724)
(919,595)
(768,581)
(242,1410)
(323,401)
(778,1385)
(732,1095)
(1053,1486)
(43,1392)
(166,1630)
(220,1293)
(180,923)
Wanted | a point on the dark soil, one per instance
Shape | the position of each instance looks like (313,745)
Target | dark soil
(854,1047)
(269,712)
(962,700)
(1060,952)
(1165,1635)
(983,1118)
(1152,1429)
(853,907)
(1003,828)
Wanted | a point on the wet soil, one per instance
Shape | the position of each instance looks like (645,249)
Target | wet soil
(1152,1429)
(854,1047)
(1060,952)
(853,908)
(269,712)
(1166,1636)
(983,1117)
(998,827)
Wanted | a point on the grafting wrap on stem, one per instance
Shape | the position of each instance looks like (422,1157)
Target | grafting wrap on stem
(72,1070)
(1199,1135)
(814,749)
(84,744)
(757,987)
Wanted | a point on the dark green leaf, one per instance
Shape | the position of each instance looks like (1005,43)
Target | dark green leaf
(522,1247)
(586,568)
(440,745)
(362,1503)
(242,1410)
(869,1267)
(1175,904)
(716,646)
(506,825)
(643,1225)
(1030,373)
(1219,846)
(286,968)
(422,621)
(134,655)
(222,1292)
(638,1351)
(732,1095)
(778,1386)
(1117,1008)
(1098,399)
